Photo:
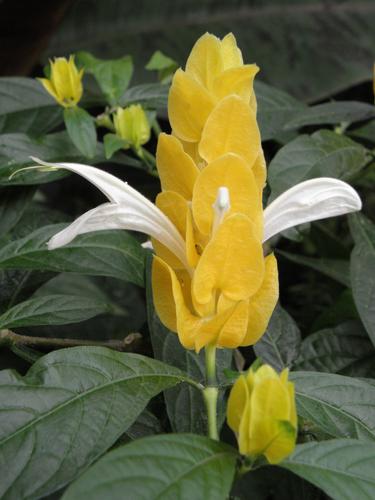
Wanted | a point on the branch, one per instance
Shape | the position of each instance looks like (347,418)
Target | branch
(11,339)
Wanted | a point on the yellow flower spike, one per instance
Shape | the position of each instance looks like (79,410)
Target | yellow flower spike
(189,105)
(260,170)
(131,124)
(191,248)
(231,128)
(232,262)
(234,330)
(237,81)
(261,411)
(65,82)
(162,291)
(177,170)
(232,172)
(175,207)
(205,61)
(262,304)
(231,54)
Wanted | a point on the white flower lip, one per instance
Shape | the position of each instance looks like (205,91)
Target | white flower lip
(308,201)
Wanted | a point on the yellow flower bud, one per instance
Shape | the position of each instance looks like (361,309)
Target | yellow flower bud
(131,124)
(261,411)
(65,82)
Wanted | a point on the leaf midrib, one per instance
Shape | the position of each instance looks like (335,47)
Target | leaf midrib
(84,394)
(338,410)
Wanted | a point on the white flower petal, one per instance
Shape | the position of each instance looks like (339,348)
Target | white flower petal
(121,193)
(116,216)
(116,190)
(308,201)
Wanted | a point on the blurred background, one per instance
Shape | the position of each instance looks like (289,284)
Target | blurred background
(313,49)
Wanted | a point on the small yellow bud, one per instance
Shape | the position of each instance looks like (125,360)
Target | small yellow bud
(261,411)
(131,124)
(65,82)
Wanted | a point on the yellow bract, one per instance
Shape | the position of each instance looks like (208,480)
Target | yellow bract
(65,82)
(131,124)
(226,294)
(261,411)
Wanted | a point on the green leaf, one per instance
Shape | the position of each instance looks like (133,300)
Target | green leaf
(15,152)
(323,154)
(113,76)
(163,64)
(344,349)
(102,253)
(13,203)
(184,403)
(81,129)
(160,61)
(25,106)
(52,310)
(181,466)
(150,95)
(275,108)
(71,406)
(145,425)
(280,345)
(340,406)
(113,143)
(342,468)
(334,268)
(332,113)
(362,271)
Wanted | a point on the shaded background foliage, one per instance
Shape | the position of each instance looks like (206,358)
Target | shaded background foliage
(309,52)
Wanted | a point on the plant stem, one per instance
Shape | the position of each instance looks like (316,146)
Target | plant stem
(210,354)
(9,338)
(210,393)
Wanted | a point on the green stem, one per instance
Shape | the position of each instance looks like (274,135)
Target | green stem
(211,392)
(210,353)
(210,395)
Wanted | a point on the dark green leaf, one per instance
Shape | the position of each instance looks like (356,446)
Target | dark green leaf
(13,203)
(362,271)
(184,403)
(145,425)
(25,106)
(323,154)
(303,48)
(70,408)
(343,468)
(113,143)
(172,467)
(81,129)
(340,406)
(52,310)
(280,345)
(275,108)
(344,349)
(113,76)
(332,113)
(104,253)
(334,268)
(150,95)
